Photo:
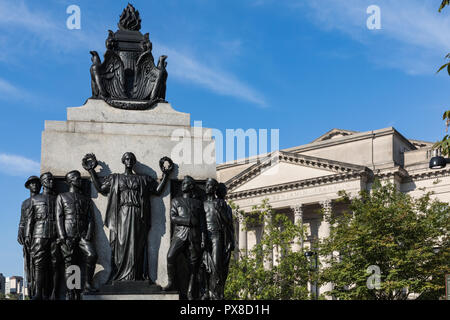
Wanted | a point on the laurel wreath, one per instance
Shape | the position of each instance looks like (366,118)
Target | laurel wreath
(163,161)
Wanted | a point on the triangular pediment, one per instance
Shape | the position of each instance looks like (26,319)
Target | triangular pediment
(284,167)
(334,134)
(282,172)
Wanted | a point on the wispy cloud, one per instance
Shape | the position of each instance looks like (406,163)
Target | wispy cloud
(37,28)
(18,16)
(413,37)
(16,165)
(186,68)
(9,91)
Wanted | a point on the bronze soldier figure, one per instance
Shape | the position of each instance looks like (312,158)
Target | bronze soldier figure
(229,233)
(220,240)
(76,225)
(34,185)
(189,235)
(41,236)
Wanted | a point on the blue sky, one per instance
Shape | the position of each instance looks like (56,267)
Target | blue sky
(303,67)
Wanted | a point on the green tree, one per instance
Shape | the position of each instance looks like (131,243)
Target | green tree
(12,296)
(287,279)
(444,144)
(406,237)
(444,4)
(2,296)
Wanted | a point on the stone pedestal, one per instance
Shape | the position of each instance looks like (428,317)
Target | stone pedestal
(108,132)
(131,290)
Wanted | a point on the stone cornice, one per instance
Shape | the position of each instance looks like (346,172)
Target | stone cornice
(293,158)
(429,174)
(405,176)
(297,185)
(337,178)
(396,172)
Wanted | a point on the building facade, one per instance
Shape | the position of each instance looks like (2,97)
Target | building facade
(302,180)
(14,285)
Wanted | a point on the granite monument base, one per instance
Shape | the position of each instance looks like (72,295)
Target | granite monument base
(131,290)
(98,128)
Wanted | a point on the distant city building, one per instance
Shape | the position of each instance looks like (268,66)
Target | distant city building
(7,287)
(2,283)
(14,285)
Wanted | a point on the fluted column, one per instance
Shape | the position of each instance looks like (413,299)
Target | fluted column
(242,237)
(268,260)
(324,232)
(324,229)
(276,253)
(298,221)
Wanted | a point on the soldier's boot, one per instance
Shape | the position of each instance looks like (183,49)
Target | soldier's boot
(171,278)
(205,286)
(192,289)
(70,292)
(39,284)
(55,284)
(88,287)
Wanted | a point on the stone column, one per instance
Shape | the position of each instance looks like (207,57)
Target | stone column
(236,235)
(298,220)
(276,254)
(324,232)
(242,237)
(324,229)
(268,261)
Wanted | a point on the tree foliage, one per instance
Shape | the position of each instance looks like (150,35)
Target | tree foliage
(406,237)
(289,276)
(12,296)
(444,144)
(444,4)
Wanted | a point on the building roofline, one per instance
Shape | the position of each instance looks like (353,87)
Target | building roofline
(321,144)
(332,131)
(336,167)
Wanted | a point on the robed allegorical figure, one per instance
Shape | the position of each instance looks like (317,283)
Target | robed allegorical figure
(128,214)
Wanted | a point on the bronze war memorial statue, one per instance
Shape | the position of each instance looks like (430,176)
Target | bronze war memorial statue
(135,223)
(75,228)
(128,214)
(33,184)
(41,238)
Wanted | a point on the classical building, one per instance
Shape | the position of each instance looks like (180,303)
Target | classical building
(302,180)
(14,285)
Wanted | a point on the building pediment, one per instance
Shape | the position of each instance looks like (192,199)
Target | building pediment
(285,167)
(334,134)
